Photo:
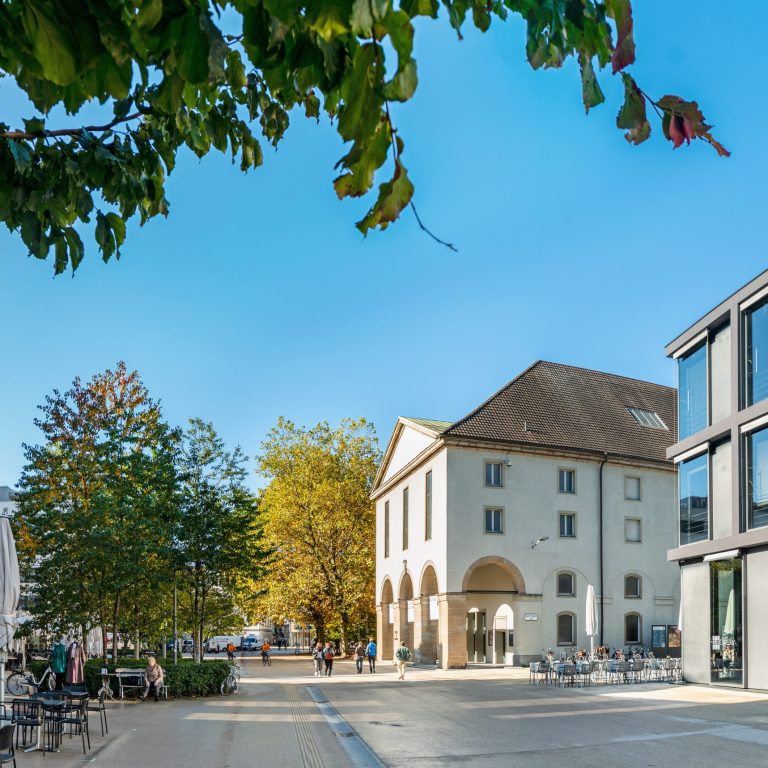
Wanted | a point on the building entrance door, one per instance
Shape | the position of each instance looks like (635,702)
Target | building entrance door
(476,637)
(499,645)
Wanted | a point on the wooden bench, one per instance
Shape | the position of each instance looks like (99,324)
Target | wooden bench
(132,679)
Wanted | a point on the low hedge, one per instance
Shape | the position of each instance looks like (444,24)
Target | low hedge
(186,678)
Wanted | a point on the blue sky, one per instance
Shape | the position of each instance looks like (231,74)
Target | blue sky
(258,297)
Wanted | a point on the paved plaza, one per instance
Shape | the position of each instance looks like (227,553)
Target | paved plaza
(484,718)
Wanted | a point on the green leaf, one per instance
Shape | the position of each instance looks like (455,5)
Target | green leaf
(76,248)
(150,13)
(420,7)
(50,43)
(118,227)
(22,154)
(394,195)
(400,31)
(591,93)
(330,21)
(403,84)
(34,125)
(361,21)
(104,236)
(62,257)
(624,52)
(632,114)
(192,49)
(362,102)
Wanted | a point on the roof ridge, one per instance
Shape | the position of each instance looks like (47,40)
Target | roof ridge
(606,373)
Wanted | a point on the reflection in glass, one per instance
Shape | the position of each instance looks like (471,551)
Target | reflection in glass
(757,478)
(726,630)
(694,500)
(756,349)
(692,399)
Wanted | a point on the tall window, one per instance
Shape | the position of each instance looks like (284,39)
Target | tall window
(756,353)
(633,530)
(386,529)
(493,474)
(428,506)
(757,478)
(565,628)
(633,628)
(494,520)
(405,519)
(566,480)
(692,396)
(633,586)
(565,585)
(694,500)
(567,525)
(632,488)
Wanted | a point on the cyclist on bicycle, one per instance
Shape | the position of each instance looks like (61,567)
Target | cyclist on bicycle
(231,651)
(265,649)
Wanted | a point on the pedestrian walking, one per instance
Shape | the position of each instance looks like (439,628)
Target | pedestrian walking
(359,656)
(402,657)
(328,659)
(317,656)
(370,652)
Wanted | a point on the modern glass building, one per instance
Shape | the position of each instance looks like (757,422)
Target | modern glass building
(722,460)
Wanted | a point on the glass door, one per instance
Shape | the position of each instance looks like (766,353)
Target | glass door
(726,629)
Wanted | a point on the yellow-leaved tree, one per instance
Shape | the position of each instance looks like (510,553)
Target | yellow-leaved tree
(319,526)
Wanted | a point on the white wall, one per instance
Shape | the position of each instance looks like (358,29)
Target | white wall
(410,444)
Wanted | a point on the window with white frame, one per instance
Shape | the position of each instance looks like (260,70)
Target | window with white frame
(566,480)
(632,488)
(566,624)
(494,520)
(633,586)
(633,530)
(566,584)
(493,476)
(567,525)
(633,629)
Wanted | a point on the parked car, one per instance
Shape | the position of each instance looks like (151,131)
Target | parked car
(251,643)
(220,643)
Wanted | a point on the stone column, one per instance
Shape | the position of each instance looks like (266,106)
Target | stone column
(404,628)
(452,630)
(425,633)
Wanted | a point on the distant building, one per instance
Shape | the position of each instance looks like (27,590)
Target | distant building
(490,529)
(8,503)
(722,459)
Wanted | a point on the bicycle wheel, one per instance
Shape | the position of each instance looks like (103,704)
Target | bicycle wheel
(18,684)
(235,684)
(228,686)
(51,682)
(269,661)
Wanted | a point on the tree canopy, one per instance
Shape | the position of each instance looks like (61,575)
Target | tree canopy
(227,75)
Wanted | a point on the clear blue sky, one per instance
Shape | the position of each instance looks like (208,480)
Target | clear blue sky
(258,297)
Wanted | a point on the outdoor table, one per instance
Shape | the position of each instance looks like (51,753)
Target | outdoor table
(106,687)
(49,704)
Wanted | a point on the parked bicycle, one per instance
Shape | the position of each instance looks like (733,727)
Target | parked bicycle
(266,658)
(24,682)
(232,681)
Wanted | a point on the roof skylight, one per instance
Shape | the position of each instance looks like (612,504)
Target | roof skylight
(647,418)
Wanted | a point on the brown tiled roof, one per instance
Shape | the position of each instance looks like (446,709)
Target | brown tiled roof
(561,406)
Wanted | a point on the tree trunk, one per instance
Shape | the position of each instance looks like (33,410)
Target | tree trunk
(104,647)
(115,613)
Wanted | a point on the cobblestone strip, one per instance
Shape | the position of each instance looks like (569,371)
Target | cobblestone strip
(310,754)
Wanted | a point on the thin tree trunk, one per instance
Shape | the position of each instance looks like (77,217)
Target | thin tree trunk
(115,613)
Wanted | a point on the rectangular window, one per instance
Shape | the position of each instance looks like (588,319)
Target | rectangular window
(565,587)
(726,621)
(633,630)
(565,625)
(428,506)
(633,529)
(756,353)
(493,474)
(494,520)
(566,482)
(632,488)
(692,395)
(567,525)
(405,519)
(757,478)
(694,500)
(386,529)
(632,587)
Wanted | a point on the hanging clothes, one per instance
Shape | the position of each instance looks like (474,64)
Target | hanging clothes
(76,659)
(59,663)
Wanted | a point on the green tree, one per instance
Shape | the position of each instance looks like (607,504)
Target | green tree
(217,540)
(319,524)
(179,73)
(97,502)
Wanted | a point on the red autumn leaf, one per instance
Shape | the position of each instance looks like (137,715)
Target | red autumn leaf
(677,132)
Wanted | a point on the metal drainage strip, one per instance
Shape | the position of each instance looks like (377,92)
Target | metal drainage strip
(359,753)
(310,754)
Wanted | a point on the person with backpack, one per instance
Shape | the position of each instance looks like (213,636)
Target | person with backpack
(402,657)
(359,656)
(328,659)
(317,657)
(370,652)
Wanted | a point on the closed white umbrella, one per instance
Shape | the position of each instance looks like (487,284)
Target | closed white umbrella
(9,596)
(95,644)
(729,624)
(591,617)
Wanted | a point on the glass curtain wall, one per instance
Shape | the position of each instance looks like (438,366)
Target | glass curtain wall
(694,500)
(692,399)
(756,353)
(757,478)
(726,630)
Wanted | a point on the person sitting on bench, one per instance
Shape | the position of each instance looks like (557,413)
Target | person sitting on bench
(153,679)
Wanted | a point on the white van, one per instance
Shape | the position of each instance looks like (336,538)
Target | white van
(220,643)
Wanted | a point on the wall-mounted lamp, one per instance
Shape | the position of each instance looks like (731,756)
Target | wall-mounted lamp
(405,566)
(538,541)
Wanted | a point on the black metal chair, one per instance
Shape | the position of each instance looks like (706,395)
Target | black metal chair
(77,720)
(27,715)
(7,752)
(98,705)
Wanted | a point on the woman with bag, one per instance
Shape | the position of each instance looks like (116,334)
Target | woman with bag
(317,657)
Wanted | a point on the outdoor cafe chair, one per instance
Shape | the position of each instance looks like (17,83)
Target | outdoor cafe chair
(617,672)
(566,674)
(7,752)
(637,671)
(98,705)
(27,715)
(77,720)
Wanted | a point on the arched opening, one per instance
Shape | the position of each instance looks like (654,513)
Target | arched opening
(494,574)
(407,610)
(428,620)
(503,634)
(386,641)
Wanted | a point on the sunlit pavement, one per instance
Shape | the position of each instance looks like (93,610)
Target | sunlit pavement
(478,717)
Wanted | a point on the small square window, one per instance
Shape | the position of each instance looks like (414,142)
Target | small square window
(493,474)
(633,530)
(633,587)
(567,525)
(566,482)
(494,520)
(632,488)
(565,586)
